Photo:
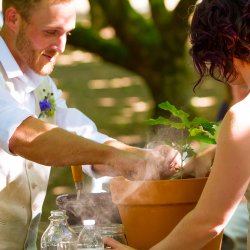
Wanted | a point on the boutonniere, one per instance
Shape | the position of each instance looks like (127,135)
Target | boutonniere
(45,100)
(47,105)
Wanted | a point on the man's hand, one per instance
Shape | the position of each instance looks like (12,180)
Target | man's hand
(139,164)
(163,161)
(200,165)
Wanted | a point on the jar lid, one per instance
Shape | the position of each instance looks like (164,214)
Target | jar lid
(58,213)
(88,222)
(112,228)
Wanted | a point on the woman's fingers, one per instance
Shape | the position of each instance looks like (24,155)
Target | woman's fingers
(115,244)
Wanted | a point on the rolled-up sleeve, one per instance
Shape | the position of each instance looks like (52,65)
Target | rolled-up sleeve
(12,114)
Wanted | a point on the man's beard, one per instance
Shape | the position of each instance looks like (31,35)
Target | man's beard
(30,56)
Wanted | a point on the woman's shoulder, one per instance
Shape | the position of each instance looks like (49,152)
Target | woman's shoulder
(238,116)
(241,109)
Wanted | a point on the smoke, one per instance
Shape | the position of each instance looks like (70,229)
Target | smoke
(96,206)
(163,156)
(166,135)
(99,206)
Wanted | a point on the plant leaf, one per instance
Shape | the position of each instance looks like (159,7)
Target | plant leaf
(205,124)
(189,150)
(165,121)
(183,116)
(202,138)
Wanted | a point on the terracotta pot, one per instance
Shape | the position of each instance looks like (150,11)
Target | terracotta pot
(150,209)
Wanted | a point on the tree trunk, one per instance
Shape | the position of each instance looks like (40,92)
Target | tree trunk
(154,49)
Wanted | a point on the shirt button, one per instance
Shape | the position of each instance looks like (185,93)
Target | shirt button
(29,164)
(34,207)
(33,185)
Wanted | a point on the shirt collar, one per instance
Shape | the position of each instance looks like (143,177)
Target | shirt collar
(33,80)
(30,79)
(9,63)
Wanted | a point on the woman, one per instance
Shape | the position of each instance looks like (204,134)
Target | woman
(220,39)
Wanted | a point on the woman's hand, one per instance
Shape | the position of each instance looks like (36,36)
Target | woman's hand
(115,244)
(200,165)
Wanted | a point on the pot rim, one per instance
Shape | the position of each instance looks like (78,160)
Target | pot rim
(153,192)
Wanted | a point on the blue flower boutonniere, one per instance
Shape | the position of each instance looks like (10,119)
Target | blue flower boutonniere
(47,105)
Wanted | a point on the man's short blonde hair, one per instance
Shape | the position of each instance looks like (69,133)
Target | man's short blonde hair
(25,6)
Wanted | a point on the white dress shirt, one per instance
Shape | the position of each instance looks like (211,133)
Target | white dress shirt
(23,183)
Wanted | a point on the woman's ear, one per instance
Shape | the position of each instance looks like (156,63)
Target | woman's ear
(12,18)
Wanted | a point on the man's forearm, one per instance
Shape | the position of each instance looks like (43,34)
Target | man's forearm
(50,145)
(106,170)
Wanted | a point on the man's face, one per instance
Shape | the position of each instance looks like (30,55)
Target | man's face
(40,40)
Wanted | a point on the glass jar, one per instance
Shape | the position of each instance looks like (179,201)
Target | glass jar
(58,235)
(115,231)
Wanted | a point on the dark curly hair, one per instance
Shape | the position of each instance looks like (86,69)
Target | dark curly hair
(220,31)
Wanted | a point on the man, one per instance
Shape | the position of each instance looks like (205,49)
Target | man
(34,33)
